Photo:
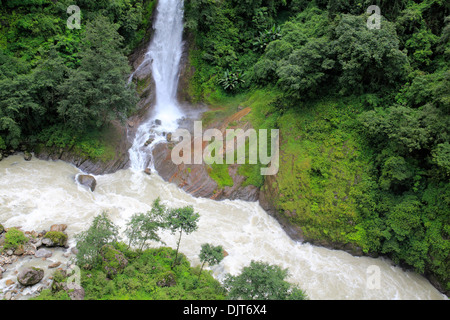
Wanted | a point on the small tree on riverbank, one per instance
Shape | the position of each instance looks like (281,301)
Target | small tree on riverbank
(182,220)
(144,227)
(211,255)
(89,243)
(262,281)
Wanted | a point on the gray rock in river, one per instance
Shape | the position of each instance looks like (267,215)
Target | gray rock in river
(27,156)
(30,276)
(43,253)
(87,181)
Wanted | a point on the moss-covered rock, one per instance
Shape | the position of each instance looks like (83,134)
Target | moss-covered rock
(55,239)
(166,279)
(2,229)
(113,261)
(30,276)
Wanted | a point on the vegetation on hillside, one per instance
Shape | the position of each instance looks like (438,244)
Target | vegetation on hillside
(60,87)
(112,270)
(363,115)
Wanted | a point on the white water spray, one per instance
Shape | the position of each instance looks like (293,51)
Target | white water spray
(164,54)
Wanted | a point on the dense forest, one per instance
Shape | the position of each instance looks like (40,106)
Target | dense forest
(60,86)
(363,112)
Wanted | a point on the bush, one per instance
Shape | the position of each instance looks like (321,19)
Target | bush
(14,238)
(262,281)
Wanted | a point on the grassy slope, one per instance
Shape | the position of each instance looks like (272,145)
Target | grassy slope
(323,163)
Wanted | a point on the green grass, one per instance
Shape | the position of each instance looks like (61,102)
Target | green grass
(219,173)
(323,165)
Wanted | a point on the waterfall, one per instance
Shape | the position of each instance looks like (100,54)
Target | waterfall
(164,54)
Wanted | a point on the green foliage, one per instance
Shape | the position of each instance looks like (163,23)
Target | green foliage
(90,242)
(148,276)
(219,173)
(363,115)
(113,261)
(262,281)
(14,238)
(182,220)
(144,227)
(51,75)
(231,80)
(57,237)
(211,255)
(267,36)
(97,92)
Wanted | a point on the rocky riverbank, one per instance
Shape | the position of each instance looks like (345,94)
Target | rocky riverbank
(29,259)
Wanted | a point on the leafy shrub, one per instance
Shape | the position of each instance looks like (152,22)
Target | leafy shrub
(231,80)
(14,238)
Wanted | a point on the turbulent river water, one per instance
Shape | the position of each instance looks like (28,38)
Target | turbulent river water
(36,194)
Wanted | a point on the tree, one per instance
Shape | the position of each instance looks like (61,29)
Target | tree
(211,255)
(369,59)
(182,220)
(97,92)
(143,227)
(90,242)
(262,281)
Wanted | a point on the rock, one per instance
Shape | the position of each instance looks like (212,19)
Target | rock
(166,280)
(9,282)
(55,239)
(9,252)
(74,250)
(30,276)
(58,227)
(158,122)
(113,261)
(27,156)
(169,137)
(77,293)
(43,253)
(148,171)
(54,265)
(38,244)
(1,274)
(149,142)
(19,251)
(2,229)
(87,181)
(8,295)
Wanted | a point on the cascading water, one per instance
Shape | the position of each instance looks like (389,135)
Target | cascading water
(164,55)
(36,194)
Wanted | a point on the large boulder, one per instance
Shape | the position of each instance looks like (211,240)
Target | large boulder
(55,239)
(43,253)
(87,181)
(27,156)
(30,276)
